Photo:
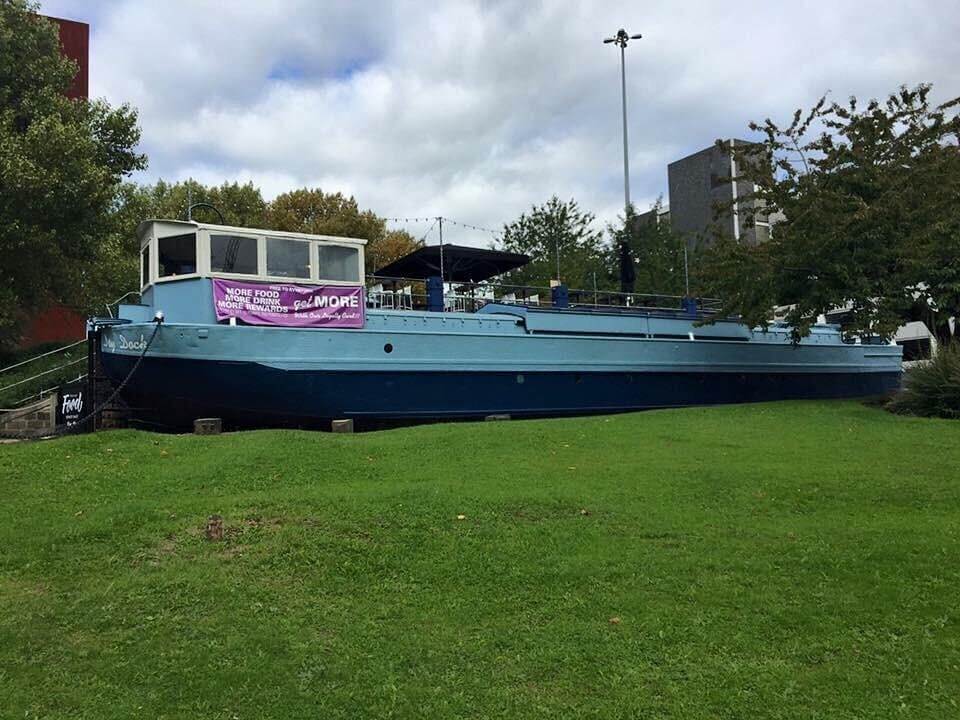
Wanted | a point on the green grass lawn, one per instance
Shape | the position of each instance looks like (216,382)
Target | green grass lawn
(789,560)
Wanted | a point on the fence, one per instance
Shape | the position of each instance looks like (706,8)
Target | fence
(25,376)
(398,293)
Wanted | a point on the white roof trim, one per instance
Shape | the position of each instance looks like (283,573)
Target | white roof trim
(142,227)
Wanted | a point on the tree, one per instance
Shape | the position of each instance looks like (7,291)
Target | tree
(114,266)
(113,269)
(392,246)
(656,252)
(556,234)
(870,204)
(61,164)
(310,210)
(239,205)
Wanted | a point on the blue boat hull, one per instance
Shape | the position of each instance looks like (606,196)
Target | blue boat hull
(524,362)
(176,390)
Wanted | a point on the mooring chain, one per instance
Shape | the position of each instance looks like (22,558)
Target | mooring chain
(65,429)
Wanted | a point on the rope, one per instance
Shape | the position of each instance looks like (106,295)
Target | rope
(52,352)
(37,396)
(63,429)
(41,374)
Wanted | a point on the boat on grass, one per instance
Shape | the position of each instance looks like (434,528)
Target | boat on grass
(265,328)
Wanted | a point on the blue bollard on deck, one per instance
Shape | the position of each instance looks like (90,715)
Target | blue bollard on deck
(435,294)
(559,296)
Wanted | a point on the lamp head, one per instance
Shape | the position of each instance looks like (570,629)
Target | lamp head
(622,38)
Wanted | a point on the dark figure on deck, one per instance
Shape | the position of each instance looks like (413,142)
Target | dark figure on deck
(627,274)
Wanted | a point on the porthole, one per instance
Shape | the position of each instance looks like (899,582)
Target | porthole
(519,379)
(388,348)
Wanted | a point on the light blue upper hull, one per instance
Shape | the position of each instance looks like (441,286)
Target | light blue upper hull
(502,359)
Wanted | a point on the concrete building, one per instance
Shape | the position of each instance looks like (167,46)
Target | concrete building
(655,215)
(704,200)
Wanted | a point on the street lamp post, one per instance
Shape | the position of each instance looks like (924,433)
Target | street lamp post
(621,39)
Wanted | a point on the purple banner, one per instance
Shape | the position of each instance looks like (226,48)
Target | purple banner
(289,305)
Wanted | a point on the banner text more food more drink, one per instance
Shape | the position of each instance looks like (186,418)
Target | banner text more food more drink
(333,306)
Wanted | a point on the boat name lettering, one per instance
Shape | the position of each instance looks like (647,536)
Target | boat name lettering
(124,343)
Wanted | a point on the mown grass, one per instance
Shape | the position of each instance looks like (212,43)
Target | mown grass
(790,560)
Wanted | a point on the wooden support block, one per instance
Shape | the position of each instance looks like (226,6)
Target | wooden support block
(492,418)
(342,426)
(207,426)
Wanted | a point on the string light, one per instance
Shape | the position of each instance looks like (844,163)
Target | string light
(495,233)
(468,226)
(429,229)
(410,219)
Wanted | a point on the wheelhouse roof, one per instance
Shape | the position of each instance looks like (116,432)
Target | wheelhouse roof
(146,224)
(461,263)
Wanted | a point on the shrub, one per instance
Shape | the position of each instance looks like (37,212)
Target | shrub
(932,389)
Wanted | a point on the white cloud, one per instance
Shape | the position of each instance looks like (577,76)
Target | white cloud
(477,110)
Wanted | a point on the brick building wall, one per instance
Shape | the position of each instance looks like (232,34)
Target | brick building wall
(75,44)
(59,323)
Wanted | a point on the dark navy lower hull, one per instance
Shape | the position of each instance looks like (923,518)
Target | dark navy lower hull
(175,391)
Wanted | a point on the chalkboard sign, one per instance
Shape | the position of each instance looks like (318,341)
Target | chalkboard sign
(71,403)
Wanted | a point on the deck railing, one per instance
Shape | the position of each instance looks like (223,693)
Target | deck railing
(398,293)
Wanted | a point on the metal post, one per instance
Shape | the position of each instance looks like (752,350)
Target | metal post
(621,39)
(626,162)
(93,345)
(556,246)
(442,275)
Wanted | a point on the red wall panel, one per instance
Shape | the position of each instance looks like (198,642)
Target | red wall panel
(57,323)
(75,44)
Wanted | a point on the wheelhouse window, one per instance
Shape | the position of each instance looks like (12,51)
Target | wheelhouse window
(339,263)
(288,258)
(233,254)
(145,266)
(177,255)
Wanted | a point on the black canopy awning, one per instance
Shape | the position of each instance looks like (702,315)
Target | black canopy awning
(460,264)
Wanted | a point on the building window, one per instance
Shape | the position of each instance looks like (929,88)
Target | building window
(916,349)
(339,263)
(288,258)
(233,254)
(177,255)
(145,266)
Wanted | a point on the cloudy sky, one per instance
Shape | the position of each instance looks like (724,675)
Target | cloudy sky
(476,110)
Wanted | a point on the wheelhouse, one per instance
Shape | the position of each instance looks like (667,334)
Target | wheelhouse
(172,250)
